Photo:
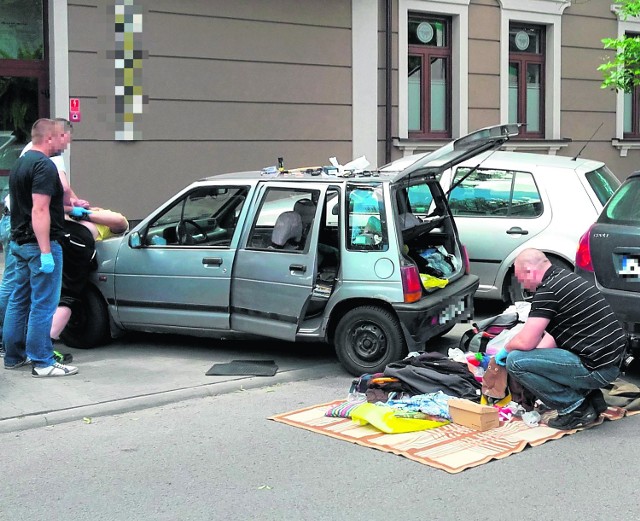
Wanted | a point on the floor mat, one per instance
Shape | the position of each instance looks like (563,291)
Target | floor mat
(244,368)
(452,448)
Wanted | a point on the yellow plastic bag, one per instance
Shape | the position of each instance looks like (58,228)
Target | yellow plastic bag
(383,418)
(431,282)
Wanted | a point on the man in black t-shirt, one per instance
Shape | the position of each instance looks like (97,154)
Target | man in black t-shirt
(570,346)
(37,219)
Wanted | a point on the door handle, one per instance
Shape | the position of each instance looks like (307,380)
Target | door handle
(212,261)
(516,230)
(298,267)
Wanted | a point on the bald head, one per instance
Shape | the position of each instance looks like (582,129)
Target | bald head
(530,267)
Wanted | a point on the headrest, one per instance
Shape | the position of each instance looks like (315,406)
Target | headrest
(288,227)
(306,209)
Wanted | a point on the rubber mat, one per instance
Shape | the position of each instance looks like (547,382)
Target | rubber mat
(244,368)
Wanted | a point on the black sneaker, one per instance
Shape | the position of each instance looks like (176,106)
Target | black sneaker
(581,417)
(62,358)
(597,401)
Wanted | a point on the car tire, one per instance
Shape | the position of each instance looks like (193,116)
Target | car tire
(89,324)
(517,293)
(367,339)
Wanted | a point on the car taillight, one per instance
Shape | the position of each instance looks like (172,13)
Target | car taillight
(583,255)
(411,283)
(465,260)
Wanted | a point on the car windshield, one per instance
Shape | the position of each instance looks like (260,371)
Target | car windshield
(603,183)
(624,206)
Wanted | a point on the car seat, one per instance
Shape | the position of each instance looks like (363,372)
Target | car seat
(307,211)
(287,232)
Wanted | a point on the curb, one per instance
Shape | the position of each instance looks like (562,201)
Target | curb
(135,403)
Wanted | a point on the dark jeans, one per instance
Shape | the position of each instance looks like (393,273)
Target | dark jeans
(557,376)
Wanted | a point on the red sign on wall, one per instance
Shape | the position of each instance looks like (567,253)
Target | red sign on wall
(74,110)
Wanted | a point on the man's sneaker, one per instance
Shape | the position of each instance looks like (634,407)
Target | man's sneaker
(2,351)
(597,401)
(17,365)
(580,417)
(62,358)
(53,370)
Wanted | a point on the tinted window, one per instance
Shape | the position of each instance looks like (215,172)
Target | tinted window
(603,183)
(495,193)
(624,206)
(367,227)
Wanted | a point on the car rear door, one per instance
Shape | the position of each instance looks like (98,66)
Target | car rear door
(496,212)
(273,278)
(178,277)
(614,244)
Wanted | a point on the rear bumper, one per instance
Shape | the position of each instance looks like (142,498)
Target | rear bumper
(437,312)
(625,304)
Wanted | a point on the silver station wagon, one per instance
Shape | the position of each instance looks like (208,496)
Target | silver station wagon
(370,262)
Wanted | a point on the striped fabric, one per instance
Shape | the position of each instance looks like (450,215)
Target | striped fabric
(581,320)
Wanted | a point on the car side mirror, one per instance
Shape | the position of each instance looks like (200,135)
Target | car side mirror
(135,241)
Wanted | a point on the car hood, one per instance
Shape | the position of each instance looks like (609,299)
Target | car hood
(460,150)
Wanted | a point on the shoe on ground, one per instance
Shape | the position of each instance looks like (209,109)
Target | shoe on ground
(2,351)
(62,358)
(17,365)
(597,401)
(53,370)
(580,417)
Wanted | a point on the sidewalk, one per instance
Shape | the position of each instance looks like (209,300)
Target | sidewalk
(147,371)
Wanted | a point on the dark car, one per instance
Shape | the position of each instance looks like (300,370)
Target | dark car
(609,255)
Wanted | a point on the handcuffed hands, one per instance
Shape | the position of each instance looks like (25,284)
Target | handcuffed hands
(501,357)
(78,212)
(46,263)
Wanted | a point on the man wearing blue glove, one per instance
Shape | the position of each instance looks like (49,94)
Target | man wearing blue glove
(570,346)
(37,218)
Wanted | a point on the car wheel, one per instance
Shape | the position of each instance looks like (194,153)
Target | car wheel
(367,339)
(89,324)
(517,293)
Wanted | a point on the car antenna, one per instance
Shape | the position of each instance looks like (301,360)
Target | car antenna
(588,141)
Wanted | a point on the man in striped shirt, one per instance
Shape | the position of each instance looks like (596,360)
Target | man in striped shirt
(570,346)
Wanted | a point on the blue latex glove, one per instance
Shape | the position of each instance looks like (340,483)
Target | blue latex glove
(78,212)
(501,357)
(46,263)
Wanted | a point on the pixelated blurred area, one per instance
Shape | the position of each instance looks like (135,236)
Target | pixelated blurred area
(128,56)
(630,267)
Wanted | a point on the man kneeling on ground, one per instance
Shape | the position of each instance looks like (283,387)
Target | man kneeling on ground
(571,345)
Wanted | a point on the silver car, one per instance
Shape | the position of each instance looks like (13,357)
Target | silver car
(504,202)
(357,260)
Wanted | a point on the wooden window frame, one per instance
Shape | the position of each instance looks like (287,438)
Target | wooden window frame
(523,59)
(426,53)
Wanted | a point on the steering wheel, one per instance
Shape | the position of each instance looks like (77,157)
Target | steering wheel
(183,235)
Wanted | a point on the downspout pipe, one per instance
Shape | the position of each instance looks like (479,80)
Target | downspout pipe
(388,75)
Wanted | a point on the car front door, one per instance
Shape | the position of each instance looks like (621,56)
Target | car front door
(496,212)
(275,268)
(177,278)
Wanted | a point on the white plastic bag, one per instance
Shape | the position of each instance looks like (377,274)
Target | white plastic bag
(499,341)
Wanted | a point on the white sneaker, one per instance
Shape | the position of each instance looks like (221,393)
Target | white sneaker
(54,370)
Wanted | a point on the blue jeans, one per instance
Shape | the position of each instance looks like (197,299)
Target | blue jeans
(34,300)
(9,274)
(557,376)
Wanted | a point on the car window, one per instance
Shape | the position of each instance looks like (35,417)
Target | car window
(420,198)
(603,183)
(624,206)
(367,227)
(494,193)
(284,219)
(207,216)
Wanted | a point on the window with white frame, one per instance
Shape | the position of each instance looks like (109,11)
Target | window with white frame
(631,121)
(536,67)
(432,70)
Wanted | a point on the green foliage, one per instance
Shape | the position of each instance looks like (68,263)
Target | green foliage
(623,72)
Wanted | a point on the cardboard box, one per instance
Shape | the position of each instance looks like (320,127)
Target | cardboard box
(473,415)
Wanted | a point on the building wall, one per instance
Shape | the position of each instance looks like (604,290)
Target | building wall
(232,86)
(584,104)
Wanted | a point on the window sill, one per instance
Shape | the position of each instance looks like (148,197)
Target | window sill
(549,146)
(624,145)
